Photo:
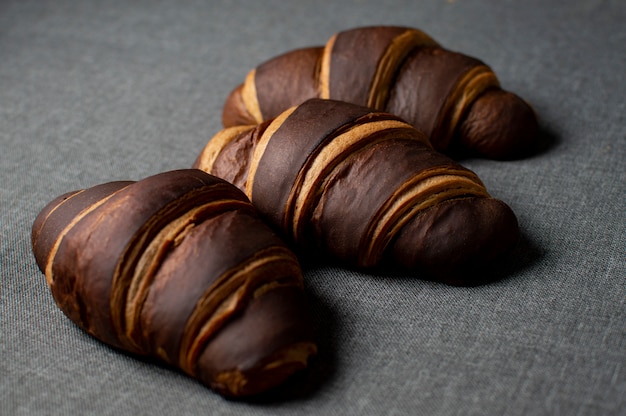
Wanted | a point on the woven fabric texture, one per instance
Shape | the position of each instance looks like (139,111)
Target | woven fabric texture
(94,91)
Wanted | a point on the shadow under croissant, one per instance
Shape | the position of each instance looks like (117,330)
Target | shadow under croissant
(547,140)
(526,254)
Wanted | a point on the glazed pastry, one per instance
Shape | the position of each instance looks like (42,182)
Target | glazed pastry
(366,188)
(456,100)
(179,267)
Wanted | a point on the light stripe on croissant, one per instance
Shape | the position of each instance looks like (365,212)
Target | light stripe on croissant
(389,166)
(453,98)
(164,266)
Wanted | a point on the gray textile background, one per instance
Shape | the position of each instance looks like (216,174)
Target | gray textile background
(94,91)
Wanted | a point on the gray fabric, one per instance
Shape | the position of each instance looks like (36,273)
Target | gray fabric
(94,91)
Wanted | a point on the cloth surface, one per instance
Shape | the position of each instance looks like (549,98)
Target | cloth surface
(94,91)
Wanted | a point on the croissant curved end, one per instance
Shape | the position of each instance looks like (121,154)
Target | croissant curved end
(500,125)
(458,241)
(235,112)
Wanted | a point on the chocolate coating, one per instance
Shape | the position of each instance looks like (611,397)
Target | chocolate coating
(354,60)
(49,222)
(431,87)
(287,80)
(499,125)
(301,134)
(159,266)
(457,241)
(423,84)
(233,163)
(172,299)
(367,189)
(356,193)
(269,323)
(97,245)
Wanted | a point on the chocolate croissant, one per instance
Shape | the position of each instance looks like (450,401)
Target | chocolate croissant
(179,267)
(456,100)
(366,188)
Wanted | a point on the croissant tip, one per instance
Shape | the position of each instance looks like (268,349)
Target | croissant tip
(267,343)
(40,252)
(500,125)
(235,112)
(458,241)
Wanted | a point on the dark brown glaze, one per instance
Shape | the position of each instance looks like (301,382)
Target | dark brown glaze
(457,241)
(366,189)
(287,80)
(190,191)
(357,191)
(498,126)
(271,322)
(422,87)
(51,221)
(497,114)
(354,60)
(193,245)
(94,245)
(172,299)
(296,139)
(41,246)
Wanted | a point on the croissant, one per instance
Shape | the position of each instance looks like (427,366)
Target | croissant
(366,188)
(456,100)
(179,267)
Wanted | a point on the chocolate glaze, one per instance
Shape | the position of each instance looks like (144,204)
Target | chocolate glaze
(287,80)
(457,241)
(358,189)
(369,210)
(221,236)
(268,324)
(496,115)
(197,257)
(354,59)
(422,86)
(58,214)
(233,162)
(303,131)
(427,76)
(95,244)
